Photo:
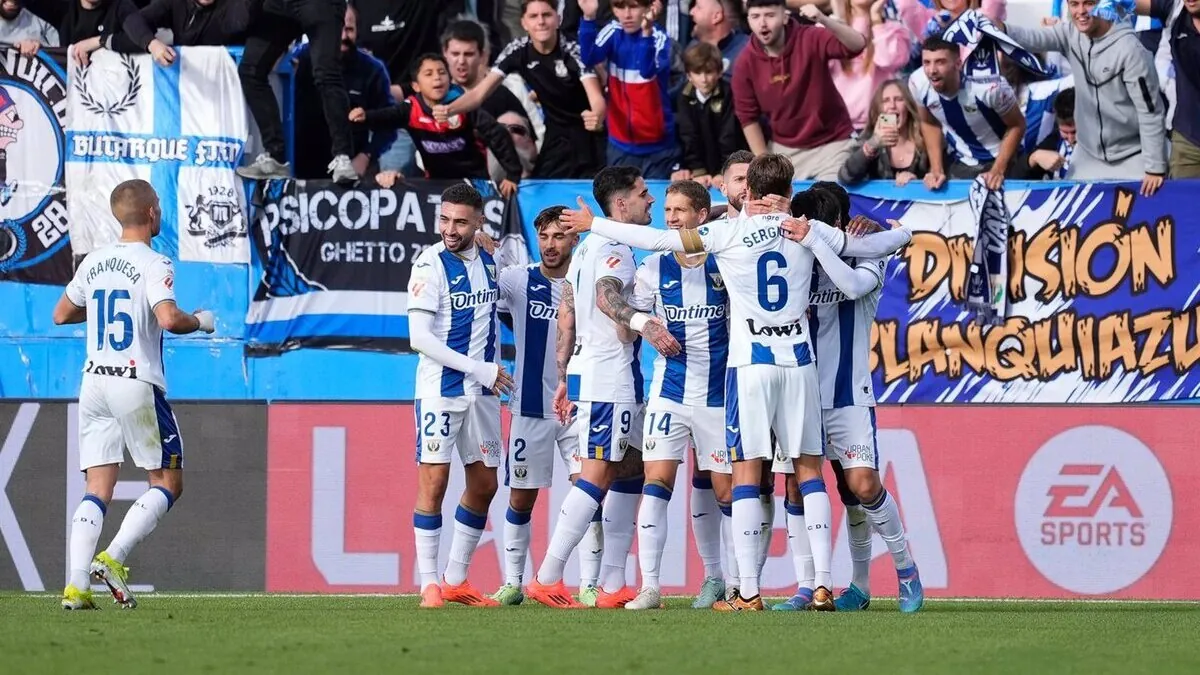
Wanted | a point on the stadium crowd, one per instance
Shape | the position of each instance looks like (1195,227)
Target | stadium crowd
(849,90)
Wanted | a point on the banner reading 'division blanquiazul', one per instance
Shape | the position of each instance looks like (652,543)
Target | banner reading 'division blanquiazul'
(182,127)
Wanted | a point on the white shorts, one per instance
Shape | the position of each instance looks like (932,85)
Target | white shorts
(849,439)
(607,430)
(761,398)
(466,425)
(533,444)
(116,413)
(672,428)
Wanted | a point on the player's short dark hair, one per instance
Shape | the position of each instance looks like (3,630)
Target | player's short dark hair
(696,194)
(1064,105)
(817,205)
(770,174)
(547,217)
(751,4)
(131,200)
(526,3)
(703,57)
(629,3)
(422,60)
(837,192)
(738,157)
(612,181)
(464,194)
(937,43)
(466,30)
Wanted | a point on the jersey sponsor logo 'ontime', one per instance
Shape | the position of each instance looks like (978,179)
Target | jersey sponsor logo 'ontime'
(693,312)
(1094,509)
(473,299)
(540,310)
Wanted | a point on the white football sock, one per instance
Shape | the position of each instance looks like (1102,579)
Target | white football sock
(140,521)
(885,518)
(590,549)
(747,519)
(802,557)
(576,513)
(620,523)
(652,531)
(728,557)
(516,545)
(85,532)
(767,530)
(468,528)
(427,530)
(817,517)
(706,526)
(858,529)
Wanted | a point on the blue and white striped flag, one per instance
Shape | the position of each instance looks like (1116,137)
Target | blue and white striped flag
(182,127)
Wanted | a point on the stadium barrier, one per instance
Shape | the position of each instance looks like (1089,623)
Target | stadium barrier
(999,501)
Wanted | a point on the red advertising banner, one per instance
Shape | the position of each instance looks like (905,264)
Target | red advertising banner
(999,501)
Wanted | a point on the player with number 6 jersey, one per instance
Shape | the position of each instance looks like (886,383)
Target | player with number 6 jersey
(126,293)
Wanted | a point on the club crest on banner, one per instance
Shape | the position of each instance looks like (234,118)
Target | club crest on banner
(215,215)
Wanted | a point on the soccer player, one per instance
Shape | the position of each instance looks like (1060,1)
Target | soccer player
(599,372)
(533,294)
(452,299)
(687,394)
(845,296)
(771,382)
(126,294)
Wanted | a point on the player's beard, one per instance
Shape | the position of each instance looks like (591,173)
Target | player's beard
(463,244)
(560,261)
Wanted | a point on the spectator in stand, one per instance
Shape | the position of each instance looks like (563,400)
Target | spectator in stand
(925,19)
(1052,158)
(980,120)
(1182,18)
(568,91)
(1123,135)
(450,150)
(368,85)
(24,29)
(784,76)
(1036,98)
(637,54)
(464,44)
(88,25)
(270,34)
(192,22)
(717,23)
(708,128)
(398,31)
(889,48)
(894,147)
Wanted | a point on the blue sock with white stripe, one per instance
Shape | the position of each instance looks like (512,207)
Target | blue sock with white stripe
(652,531)
(706,526)
(802,557)
(620,524)
(817,517)
(85,532)
(468,528)
(427,531)
(885,519)
(747,524)
(573,520)
(516,545)
(140,521)
(591,549)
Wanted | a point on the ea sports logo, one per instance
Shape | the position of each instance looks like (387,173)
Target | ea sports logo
(1093,510)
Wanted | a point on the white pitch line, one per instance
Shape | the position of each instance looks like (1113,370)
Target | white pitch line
(1021,601)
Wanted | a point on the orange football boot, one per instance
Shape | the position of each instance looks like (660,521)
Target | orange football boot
(617,600)
(555,596)
(431,597)
(465,594)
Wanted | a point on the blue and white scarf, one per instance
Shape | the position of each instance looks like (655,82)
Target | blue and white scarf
(974,29)
(987,294)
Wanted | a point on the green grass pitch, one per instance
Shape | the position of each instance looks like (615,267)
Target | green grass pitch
(302,634)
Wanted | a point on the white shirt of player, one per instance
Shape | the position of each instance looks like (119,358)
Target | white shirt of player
(461,293)
(533,299)
(120,285)
(768,279)
(841,330)
(972,119)
(694,305)
(603,369)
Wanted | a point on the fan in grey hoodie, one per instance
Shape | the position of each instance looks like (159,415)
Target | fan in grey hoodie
(1118,109)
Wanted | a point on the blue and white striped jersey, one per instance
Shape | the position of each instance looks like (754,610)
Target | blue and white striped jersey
(532,299)
(461,294)
(603,369)
(972,119)
(842,336)
(1037,104)
(767,278)
(694,305)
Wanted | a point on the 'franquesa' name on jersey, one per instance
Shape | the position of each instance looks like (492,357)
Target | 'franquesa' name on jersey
(114,264)
(459,301)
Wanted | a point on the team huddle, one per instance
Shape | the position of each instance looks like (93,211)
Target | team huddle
(761,320)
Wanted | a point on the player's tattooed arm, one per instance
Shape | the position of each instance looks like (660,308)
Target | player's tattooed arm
(615,306)
(564,344)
